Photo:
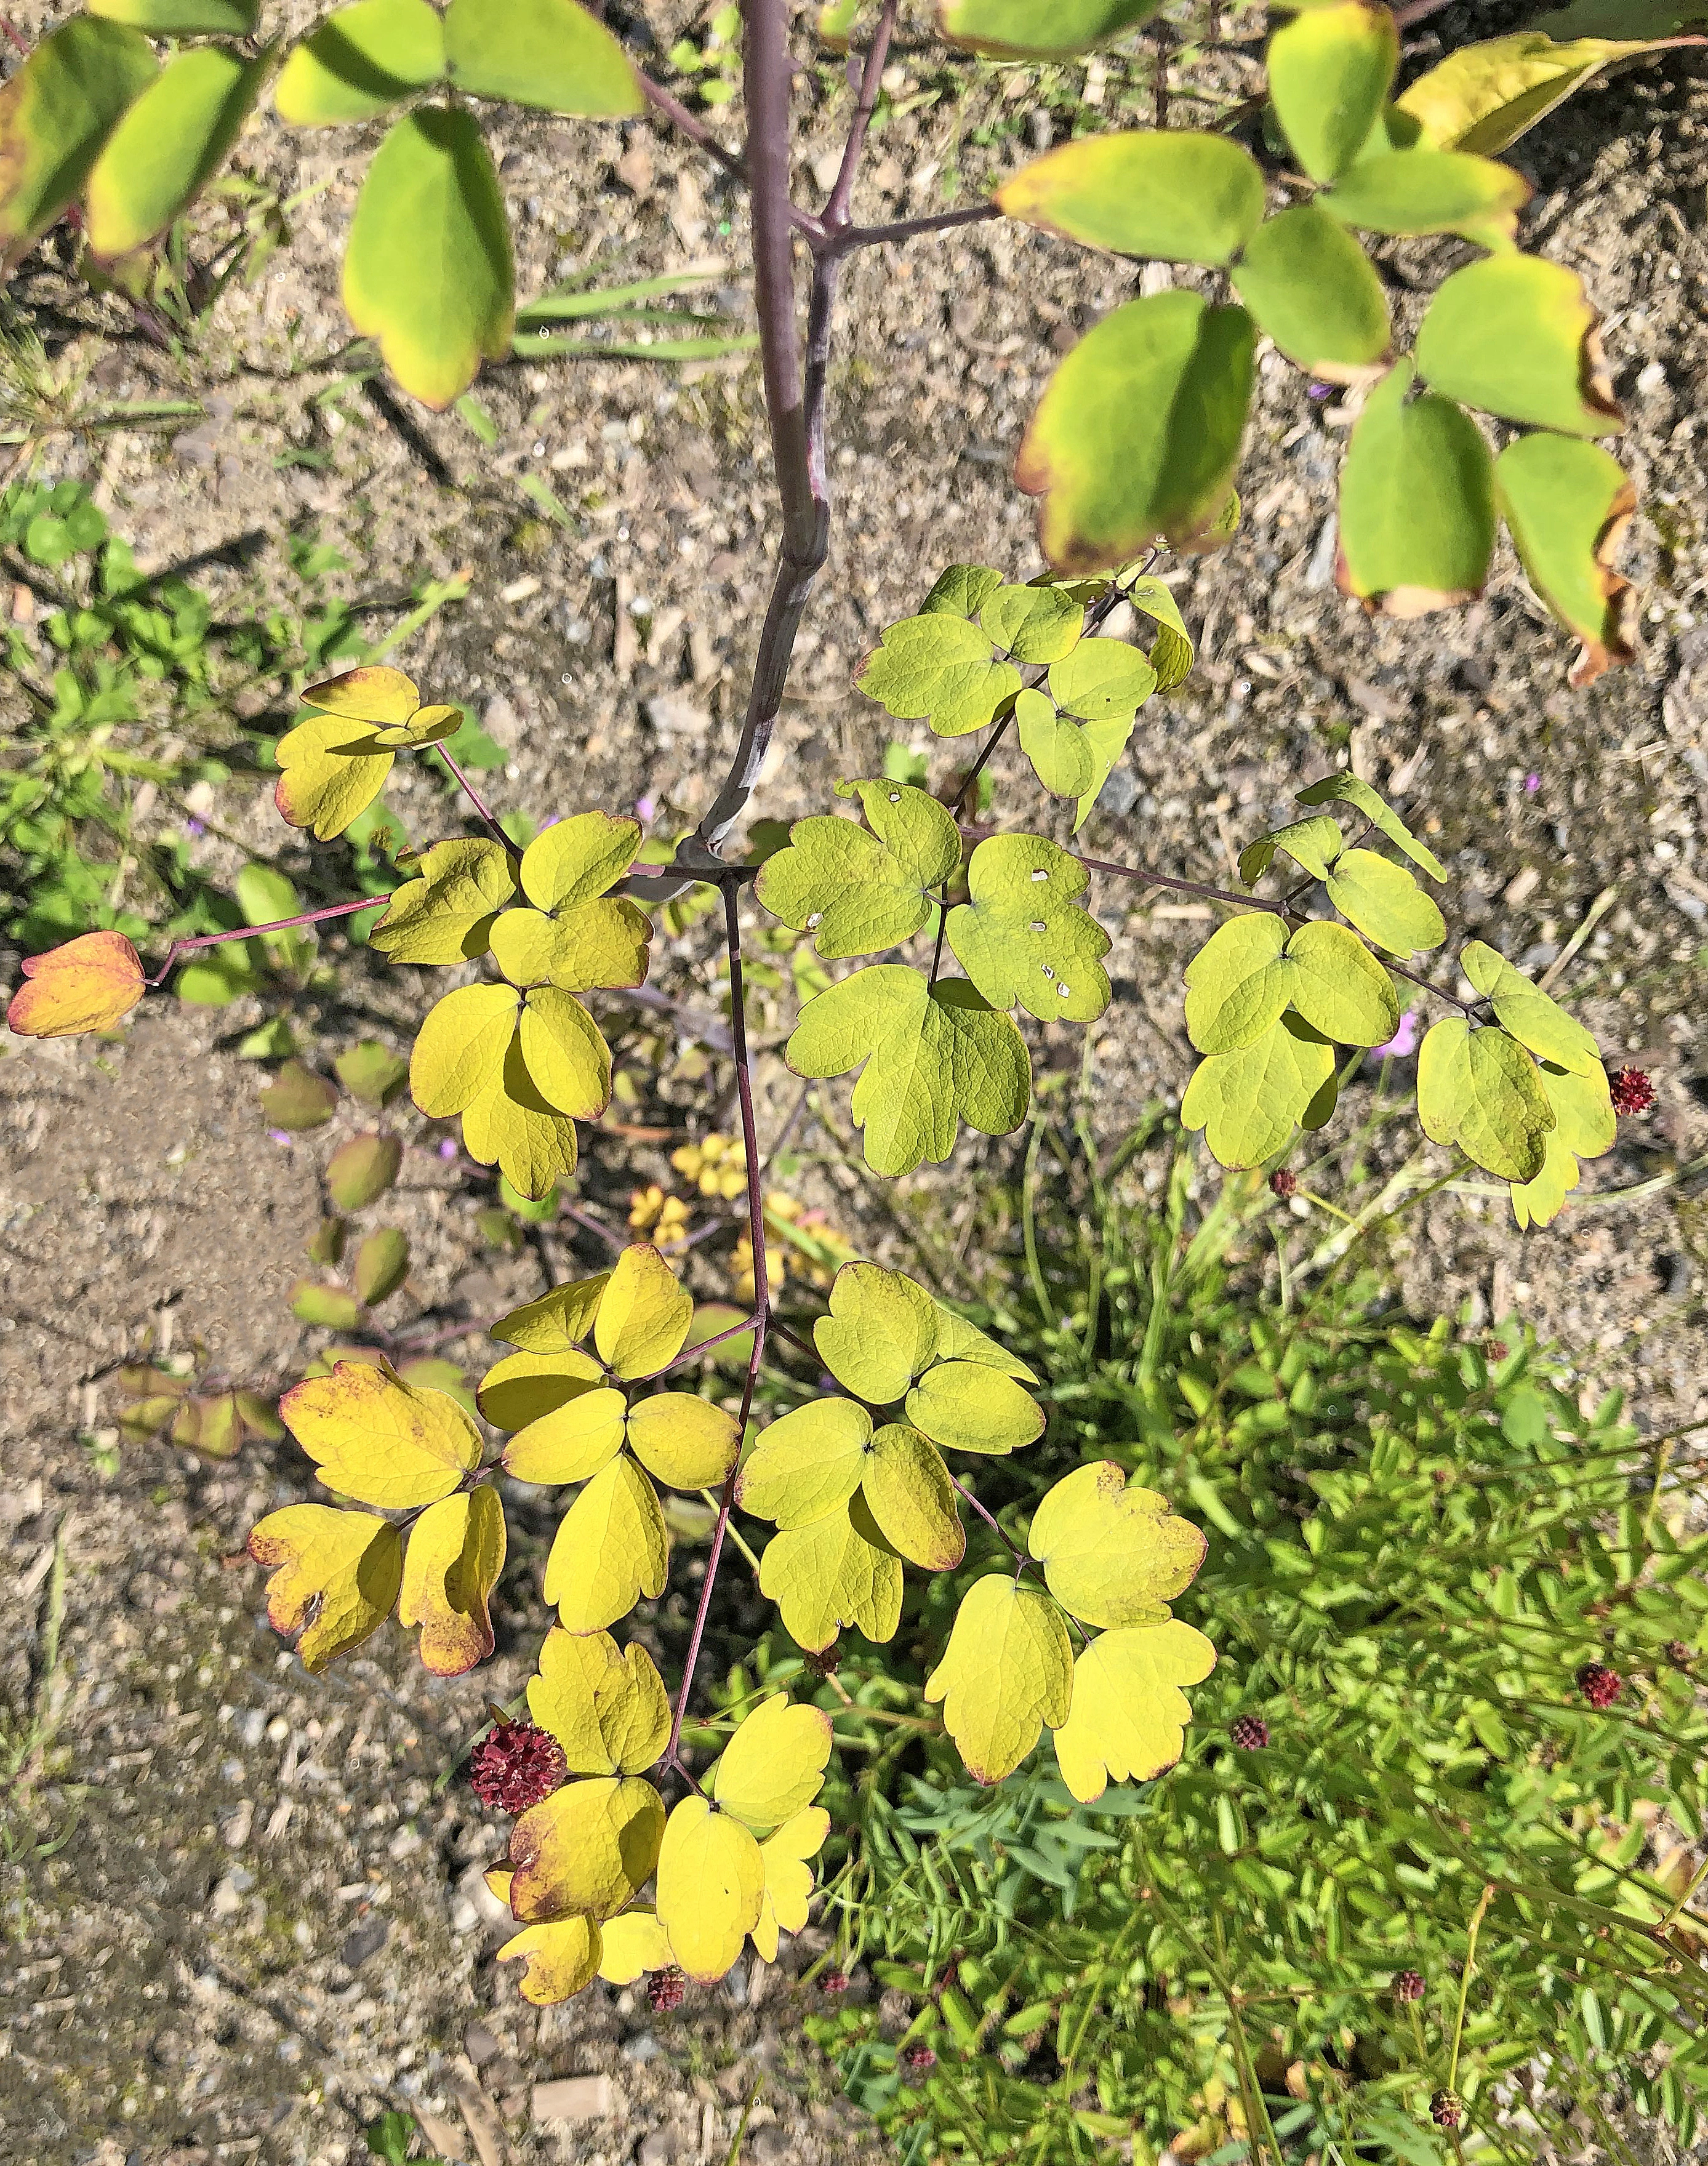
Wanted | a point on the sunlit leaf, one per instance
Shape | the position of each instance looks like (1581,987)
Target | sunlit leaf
(635,1942)
(562,1957)
(460,1049)
(510,1124)
(330,770)
(1488,93)
(1586,1126)
(1351,790)
(545,53)
(56,112)
(1330,71)
(837,1571)
(712,1886)
(611,1549)
(1127,1720)
(1007,1671)
(644,1314)
(911,1498)
(362,59)
(446,913)
(1249,1103)
(940,667)
(172,138)
(774,1766)
(1179,196)
(606,1706)
(1025,935)
(1480,1089)
(1035,624)
(586,1850)
(1315,291)
(455,1555)
(341,1569)
(858,893)
(1417,503)
(789,1876)
(577,1430)
(1386,904)
(1042,29)
(1517,336)
(177,19)
(379,1439)
(92,983)
(882,1332)
(965,1406)
(1534,1017)
(1112,1555)
(1425,191)
(683,1441)
(1250,969)
(557,1321)
(1567,504)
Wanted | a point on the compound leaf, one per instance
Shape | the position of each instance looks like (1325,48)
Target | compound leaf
(1534,1017)
(1127,1722)
(910,1495)
(1112,1555)
(1248,1103)
(55,114)
(807,1464)
(643,1314)
(1023,935)
(789,1876)
(601,942)
(1425,191)
(1349,789)
(606,1705)
(837,1571)
(361,60)
(428,271)
(1315,291)
(1034,624)
(966,1406)
(1386,904)
(1567,504)
(1007,1671)
(171,140)
(858,893)
(379,1439)
(446,913)
(1330,71)
(940,667)
(683,1441)
(330,770)
(1038,29)
(549,54)
(1417,503)
(933,1055)
(611,1547)
(712,1886)
(461,1048)
(455,1555)
(1103,680)
(91,983)
(774,1763)
(1517,336)
(1240,980)
(343,1567)
(882,1331)
(1480,1089)
(557,1322)
(586,1850)
(1138,433)
(1178,195)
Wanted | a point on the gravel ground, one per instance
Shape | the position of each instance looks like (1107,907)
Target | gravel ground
(243,1914)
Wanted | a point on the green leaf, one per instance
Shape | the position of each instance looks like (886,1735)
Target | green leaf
(1535,1019)
(545,53)
(1007,1671)
(382,1265)
(171,142)
(56,114)
(611,1548)
(1517,337)
(371,1072)
(1480,1089)
(939,666)
(1172,651)
(1312,844)
(1486,95)
(298,1099)
(1586,1126)
(806,1463)
(1034,624)
(1330,71)
(1417,503)
(330,1306)
(1061,751)
(858,893)
(428,270)
(359,1172)
(1426,191)
(1038,29)
(935,1055)
(1386,904)
(1103,680)
(1112,1554)
(1127,1720)
(1179,196)
(1249,1103)
(1314,290)
(967,1405)
(1138,432)
(360,62)
(1248,971)
(446,913)
(1349,789)
(962,590)
(1023,934)
(1567,504)
(175,19)
(837,1571)
(882,1331)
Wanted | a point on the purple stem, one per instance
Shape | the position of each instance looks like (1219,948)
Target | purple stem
(851,237)
(254,931)
(836,210)
(480,803)
(672,108)
(991,1521)
(693,1353)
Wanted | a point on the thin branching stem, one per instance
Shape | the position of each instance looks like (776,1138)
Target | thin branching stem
(481,806)
(255,932)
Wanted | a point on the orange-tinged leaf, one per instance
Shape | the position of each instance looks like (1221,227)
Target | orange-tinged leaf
(336,1572)
(377,1438)
(91,983)
(562,1957)
(1567,504)
(585,1851)
(373,694)
(330,770)
(455,1555)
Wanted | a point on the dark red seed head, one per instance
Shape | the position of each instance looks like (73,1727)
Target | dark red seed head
(1446,2109)
(665,1989)
(920,2058)
(820,1666)
(1496,1349)
(1599,1685)
(515,1765)
(1284,1183)
(1250,1732)
(833,1981)
(1408,1985)
(1631,1090)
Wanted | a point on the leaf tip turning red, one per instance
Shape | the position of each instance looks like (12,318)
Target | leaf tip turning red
(91,983)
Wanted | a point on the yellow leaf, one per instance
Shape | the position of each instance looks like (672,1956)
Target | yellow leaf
(912,1498)
(967,1405)
(455,1556)
(711,1883)
(606,1706)
(1112,1555)
(789,1876)
(839,1571)
(427,725)
(1007,1671)
(446,913)
(89,984)
(586,1850)
(330,770)
(509,1125)
(595,943)
(562,1957)
(609,1550)
(685,1442)
(577,858)
(522,1387)
(460,1048)
(348,1563)
(566,1054)
(1128,1712)
(557,1320)
(774,1763)
(881,1332)
(807,1464)
(571,1443)
(643,1318)
(634,1942)
(378,1439)
(372,694)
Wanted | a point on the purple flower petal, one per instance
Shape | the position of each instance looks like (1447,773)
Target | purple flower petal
(1532,783)
(1403,1043)
(282,1136)
(645,810)
(447,1148)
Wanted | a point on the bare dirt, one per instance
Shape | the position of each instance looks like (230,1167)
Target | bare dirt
(243,1915)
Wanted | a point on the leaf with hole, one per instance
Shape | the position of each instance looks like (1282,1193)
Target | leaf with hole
(858,893)
(1024,933)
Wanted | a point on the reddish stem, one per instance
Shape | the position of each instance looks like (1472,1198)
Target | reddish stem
(836,210)
(254,931)
(480,803)
(851,237)
(991,1521)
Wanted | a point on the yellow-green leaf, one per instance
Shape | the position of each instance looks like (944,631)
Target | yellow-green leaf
(601,942)
(575,860)
(965,1406)
(1517,336)
(1127,1722)
(545,53)
(910,1495)
(1487,94)
(1425,191)
(460,1049)
(606,1706)
(330,770)
(1112,1555)
(586,1850)
(711,1884)
(557,1321)
(806,1464)
(446,913)
(510,1124)
(1417,503)
(1038,29)
(565,1054)
(1535,1018)
(683,1441)
(378,1439)
(373,692)
(56,114)
(1178,195)
(1007,1671)
(643,1314)
(362,59)
(611,1547)
(1567,504)
(1315,291)
(562,1957)
(456,1552)
(1330,71)
(1386,904)
(881,1334)
(635,1942)
(342,1568)
(171,141)
(1584,1127)
(1480,1089)
(774,1763)
(837,1570)
(1248,971)
(522,1388)
(1249,1103)
(789,1876)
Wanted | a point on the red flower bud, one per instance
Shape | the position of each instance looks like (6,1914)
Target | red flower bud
(1631,1090)
(515,1765)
